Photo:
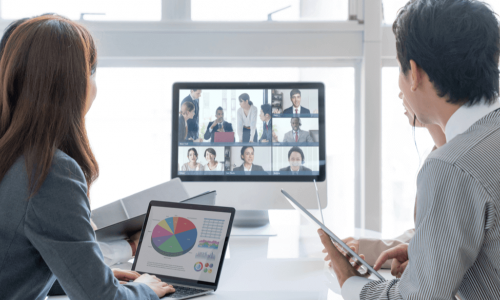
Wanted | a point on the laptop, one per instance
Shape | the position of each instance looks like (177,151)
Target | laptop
(347,250)
(184,245)
(224,137)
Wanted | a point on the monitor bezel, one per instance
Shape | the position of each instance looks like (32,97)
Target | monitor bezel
(245,85)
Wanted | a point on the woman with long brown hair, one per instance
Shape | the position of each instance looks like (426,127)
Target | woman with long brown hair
(47,85)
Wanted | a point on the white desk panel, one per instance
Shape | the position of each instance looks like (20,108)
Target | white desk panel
(287,266)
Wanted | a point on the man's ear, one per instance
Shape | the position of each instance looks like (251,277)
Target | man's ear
(416,75)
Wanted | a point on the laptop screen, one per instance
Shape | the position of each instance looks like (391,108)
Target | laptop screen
(224,132)
(183,243)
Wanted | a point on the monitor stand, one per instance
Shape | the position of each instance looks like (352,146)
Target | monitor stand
(252,223)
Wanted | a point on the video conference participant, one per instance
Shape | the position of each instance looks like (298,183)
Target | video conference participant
(186,114)
(212,165)
(48,248)
(296,160)
(296,109)
(265,116)
(219,125)
(247,120)
(193,124)
(193,164)
(247,155)
(296,135)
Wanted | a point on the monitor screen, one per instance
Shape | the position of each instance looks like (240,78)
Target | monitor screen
(248,132)
(183,243)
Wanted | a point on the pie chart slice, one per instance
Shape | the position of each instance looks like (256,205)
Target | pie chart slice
(171,244)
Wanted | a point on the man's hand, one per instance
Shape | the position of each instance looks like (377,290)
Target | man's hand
(275,137)
(160,288)
(353,244)
(340,264)
(264,141)
(276,111)
(124,276)
(399,256)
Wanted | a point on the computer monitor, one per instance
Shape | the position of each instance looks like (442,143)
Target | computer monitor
(250,140)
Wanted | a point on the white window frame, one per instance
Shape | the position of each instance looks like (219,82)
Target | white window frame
(362,42)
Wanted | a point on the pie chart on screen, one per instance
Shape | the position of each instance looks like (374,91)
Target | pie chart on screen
(174,236)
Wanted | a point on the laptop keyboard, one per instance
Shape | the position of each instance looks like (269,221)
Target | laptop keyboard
(182,291)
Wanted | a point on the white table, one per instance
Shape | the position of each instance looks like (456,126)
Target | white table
(287,266)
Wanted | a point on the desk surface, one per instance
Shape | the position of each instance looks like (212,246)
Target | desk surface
(287,266)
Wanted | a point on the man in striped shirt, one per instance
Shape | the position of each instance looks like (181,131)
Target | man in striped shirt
(448,52)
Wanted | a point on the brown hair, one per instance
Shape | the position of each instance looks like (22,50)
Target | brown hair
(45,74)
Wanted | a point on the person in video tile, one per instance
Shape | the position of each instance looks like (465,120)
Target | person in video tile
(192,165)
(296,109)
(219,125)
(296,135)
(265,116)
(247,119)
(193,124)
(247,156)
(187,113)
(296,160)
(212,164)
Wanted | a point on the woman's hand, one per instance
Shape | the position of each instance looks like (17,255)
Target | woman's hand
(124,276)
(159,287)
(399,256)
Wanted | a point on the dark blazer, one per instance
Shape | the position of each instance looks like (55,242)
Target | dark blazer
(193,124)
(267,134)
(255,168)
(228,127)
(182,130)
(50,236)
(304,112)
(302,171)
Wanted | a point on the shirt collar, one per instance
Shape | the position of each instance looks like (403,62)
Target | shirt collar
(298,109)
(246,168)
(466,116)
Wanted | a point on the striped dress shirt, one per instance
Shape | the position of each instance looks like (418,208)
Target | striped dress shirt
(456,247)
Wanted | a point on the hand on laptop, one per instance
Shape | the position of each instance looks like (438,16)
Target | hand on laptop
(124,275)
(159,287)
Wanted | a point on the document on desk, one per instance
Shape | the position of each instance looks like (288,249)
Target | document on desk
(137,204)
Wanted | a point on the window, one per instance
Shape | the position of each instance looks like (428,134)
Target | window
(258,10)
(403,152)
(109,10)
(129,127)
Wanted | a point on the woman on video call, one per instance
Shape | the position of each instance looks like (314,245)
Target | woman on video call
(47,71)
(247,120)
(193,164)
(212,164)
(247,155)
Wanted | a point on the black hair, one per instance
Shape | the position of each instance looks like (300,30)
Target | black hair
(266,109)
(189,105)
(293,92)
(194,150)
(300,122)
(194,90)
(456,42)
(219,108)
(245,97)
(243,150)
(210,150)
(296,149)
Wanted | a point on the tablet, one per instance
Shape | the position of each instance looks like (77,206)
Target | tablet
(334,238)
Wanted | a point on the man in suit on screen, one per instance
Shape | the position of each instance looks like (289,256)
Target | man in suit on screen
(297,135)
(296,109)
(219,125)
(296,159)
